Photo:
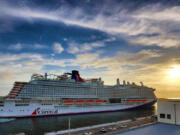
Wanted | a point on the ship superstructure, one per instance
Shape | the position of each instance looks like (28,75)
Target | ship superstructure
(70,94)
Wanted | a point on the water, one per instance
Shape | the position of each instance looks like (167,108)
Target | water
(39,126)
(5,120)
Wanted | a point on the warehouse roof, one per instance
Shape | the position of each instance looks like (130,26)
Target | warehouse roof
(169,99)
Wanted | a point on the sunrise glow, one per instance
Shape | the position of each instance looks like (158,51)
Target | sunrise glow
(174,72)
(129,40)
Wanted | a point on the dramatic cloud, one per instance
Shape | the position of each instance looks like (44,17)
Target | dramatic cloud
(136,41)
(146,20)
(121,59)
(142,65)
(26,13)
(167,14)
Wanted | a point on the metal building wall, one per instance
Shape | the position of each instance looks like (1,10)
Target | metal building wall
(170,109)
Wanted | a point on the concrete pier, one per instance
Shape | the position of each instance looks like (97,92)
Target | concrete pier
(108,128)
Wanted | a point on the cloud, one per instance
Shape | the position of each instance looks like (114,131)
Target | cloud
(20,67)
(110,39)
(164,41)
(128,24)
(98,44)
(147,25)
(75,48)
(39,46)
(16,47)
(122,58)
(145,65)
(58,48)
(14,65)
(167,14)
(19,46)
(149,66)
(85,59)
(164,23)
(26,13)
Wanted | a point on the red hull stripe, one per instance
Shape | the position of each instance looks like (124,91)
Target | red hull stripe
(80,101)
(136,100)
(99,101)
(69,102)
(90,101)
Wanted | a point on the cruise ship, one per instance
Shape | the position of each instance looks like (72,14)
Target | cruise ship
(67,94)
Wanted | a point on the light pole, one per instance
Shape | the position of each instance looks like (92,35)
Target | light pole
(69,125)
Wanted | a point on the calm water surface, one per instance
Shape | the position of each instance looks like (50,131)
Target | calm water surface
(39,126)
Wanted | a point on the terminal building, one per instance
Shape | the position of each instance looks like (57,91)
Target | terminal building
(169,111)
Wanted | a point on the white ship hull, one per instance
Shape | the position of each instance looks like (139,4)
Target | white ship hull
(70,94)
(35,110)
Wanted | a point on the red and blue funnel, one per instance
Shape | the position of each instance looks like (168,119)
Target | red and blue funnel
(76,76)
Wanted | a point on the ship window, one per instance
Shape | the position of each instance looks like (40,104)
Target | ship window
(21,104)
(168,116)
(115,100)
(162,115)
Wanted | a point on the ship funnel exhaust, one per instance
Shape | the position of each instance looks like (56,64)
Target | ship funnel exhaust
(76,76)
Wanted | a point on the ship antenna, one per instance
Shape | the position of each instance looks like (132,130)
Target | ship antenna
(45,76)
(117,82)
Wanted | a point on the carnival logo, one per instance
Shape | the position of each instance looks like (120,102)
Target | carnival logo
(44,111)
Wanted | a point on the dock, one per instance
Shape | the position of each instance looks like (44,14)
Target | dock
(109,128)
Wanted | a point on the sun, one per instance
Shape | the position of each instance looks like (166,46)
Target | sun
(174,72)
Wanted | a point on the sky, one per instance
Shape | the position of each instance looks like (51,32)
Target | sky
(133,40)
